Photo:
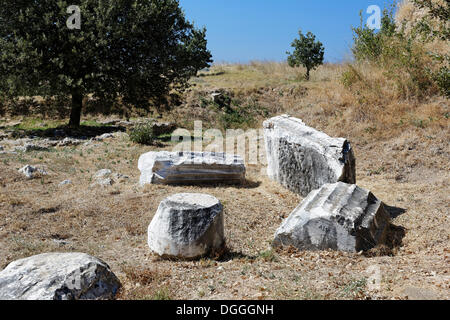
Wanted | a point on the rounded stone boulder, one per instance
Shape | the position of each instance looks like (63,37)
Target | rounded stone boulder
(187,226)
(58,276)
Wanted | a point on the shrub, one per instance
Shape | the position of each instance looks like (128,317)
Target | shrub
(350,76)
(242,115)
(442,78)
(368,44)
(143,134)
(401,56)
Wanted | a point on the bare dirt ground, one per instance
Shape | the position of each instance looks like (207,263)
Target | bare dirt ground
(405,166)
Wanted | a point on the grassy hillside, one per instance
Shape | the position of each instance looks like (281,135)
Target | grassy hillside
(402,152)
(399,132)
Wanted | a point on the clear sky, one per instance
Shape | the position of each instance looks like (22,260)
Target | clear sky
(245,30)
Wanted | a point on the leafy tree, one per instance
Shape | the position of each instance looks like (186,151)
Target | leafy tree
(132,51)
(307,52)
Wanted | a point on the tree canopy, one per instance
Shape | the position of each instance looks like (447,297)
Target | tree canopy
(133,50)
(307,52)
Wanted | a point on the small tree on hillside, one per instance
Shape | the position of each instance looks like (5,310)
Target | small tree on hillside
(133,50)
(307,52)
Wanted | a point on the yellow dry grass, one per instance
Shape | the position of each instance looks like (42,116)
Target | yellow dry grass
(402,155)
(408,16)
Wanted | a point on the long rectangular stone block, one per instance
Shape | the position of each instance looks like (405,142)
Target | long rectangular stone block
(190,168)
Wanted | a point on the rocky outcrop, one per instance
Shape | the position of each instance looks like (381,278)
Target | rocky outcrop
(30,171)
(64,183)
(106,177)
(303,159)
(30,147)
(58,276)
(104,137)
(70,142)
(190,168)
(187,226)
(103,173)
(337,216)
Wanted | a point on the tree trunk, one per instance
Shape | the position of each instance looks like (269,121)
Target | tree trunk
(307,74)
(77,104)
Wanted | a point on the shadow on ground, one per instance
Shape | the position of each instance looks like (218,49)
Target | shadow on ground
(247,184)
(394,212)
(59,133)
(232,255)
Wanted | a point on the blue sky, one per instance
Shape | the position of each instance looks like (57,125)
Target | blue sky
(245,30)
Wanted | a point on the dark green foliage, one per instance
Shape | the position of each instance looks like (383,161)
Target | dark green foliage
(143,134)
(135,51)
(307,52)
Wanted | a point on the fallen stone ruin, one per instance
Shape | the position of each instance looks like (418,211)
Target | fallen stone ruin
(336,213)
(338,216)
(190,168)
(302,159)
(187,226)
(58,276)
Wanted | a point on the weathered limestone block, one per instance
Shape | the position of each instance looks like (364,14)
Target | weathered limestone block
(58,276)
(337,216)
(187,226)
(190,168)
(303,159)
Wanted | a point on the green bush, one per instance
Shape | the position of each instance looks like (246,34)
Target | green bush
(242,115)
(442,78)
(402,57)
(368,44)
(143,134)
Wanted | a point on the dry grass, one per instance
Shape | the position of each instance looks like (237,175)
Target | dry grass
(402,155)
(259,74)
(408,16)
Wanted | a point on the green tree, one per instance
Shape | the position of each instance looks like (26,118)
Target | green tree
(307,52)
(132,51)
